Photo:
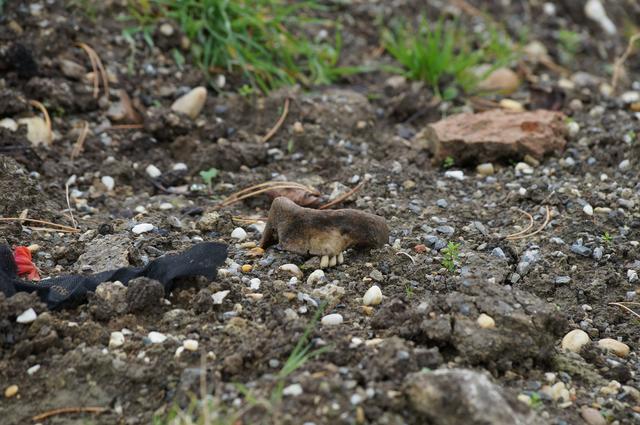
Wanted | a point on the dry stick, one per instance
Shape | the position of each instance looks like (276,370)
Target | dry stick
(94,66)
(125,127)
(341,198)
(272,183)
(540,229)
(103,73)
(47,119)
(626,308)
(226,203)
(619,63)
(79,145)
(65,410)
(404,253)
(61,227)
(279,123)
(525,230)
(66,191)
(249,220)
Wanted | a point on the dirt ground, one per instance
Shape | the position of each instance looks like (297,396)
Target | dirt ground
(536,289)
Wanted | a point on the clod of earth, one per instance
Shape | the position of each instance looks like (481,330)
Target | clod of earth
(494,135)
(325,233)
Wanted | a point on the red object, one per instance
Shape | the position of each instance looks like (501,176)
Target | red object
(26,268)
(420,248)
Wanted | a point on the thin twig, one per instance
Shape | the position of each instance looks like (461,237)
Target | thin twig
(248,220)
(623,306)
(276,127)
(273,183)
(66,192)
(342,197)
(94,66)
(124,127)
(61,227)
(540,229)
(100,72)
(79,145)
(404,253)
(227,202)
(618,65)
(65,410)
(525,230)
(47,119)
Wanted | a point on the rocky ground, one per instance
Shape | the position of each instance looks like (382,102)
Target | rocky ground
(493,340)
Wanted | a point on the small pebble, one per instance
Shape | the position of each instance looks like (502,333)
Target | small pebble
(373,296)
(573,128)
(108,182)
(157,337)
(219,296)
(254,284)
(332,319)
(618,348)
(190,345)
(575,340)
(293,390)
(246,268)
(486,322)
(138,229)
(624,165)
(588,210)
(27,316)
(485,169)
(292,269)
(316,277)
(454,174)
(116,339)
(592,416)
(239,234)
(11,391)
(191,103)
(153,171)
(33,369)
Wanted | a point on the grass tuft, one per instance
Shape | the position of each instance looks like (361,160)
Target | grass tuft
(264,40)
(446,55)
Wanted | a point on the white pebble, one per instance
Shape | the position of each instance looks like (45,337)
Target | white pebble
(595,11)
(575,340)
(624,165)
(33,369)
(190,345)
(239,234)
(630,97)
(620,349)
(254,284)
(166,206)
(108,182)
(116,340)
(373,296)
(153,171)
(486,322)
(157,337)
(292,269)
(332,319)
(179,351)
(485,169)
(632,275)
(293,390)
(9,124)
(27,316)
(524,168)
(138,229)
(454,174)
(191,103)
(316,277)
(179,166)
(573,128)
(588,210)
(219,296)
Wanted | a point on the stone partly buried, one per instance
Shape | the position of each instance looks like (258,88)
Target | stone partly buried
(494,135)
(323,233)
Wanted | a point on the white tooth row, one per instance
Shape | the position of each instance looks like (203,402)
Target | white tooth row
(326,261)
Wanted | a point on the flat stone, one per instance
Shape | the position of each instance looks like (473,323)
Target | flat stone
(493,135)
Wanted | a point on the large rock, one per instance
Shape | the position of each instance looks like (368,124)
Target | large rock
(494,135)
(462,396)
